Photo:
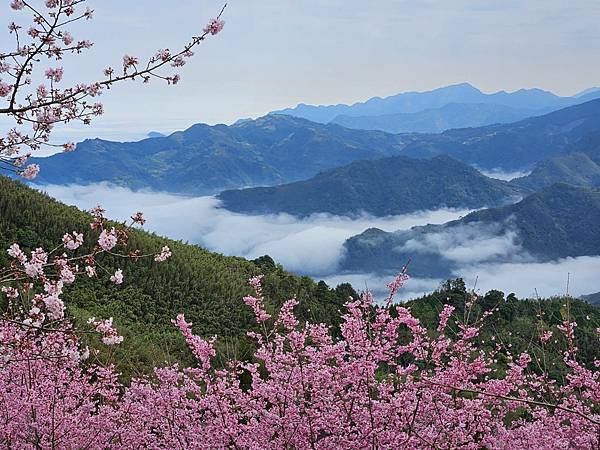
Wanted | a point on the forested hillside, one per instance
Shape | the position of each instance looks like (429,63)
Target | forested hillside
(388,186)
(517,323)
(557,222)
(206,286)
(206,159)
(580,167)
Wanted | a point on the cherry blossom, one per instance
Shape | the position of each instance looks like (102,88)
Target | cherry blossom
(117,278)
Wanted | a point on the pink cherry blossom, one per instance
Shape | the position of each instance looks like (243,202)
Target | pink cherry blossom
(91,271)
(5,89)
(117,278)
(30,171)
(73,241)
(17,4)
(138,218)
(54,74)
(67,38)
(110,335)
(214,26)
(108,239)
(129,61)
(10,292)
(15,251)
(165,253)
(66,275)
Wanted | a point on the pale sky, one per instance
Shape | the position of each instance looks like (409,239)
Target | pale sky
(278,53)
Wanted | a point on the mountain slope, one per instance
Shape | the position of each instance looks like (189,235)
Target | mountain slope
(388,186)
(205,159)
(556,222)
(517,145)
(452,115)
(412,102)
(579,168)
(206,286)
(279,149)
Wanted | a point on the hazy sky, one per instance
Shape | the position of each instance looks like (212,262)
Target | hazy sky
(277,53)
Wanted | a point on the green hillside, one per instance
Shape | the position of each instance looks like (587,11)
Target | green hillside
(207,287)
(388,186)
(557,222)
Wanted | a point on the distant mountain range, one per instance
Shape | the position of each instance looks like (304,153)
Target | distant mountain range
(460,105)
(278,149)
(592,299)
(514,146)
(436,120)
(556,222)
(206,159)
(388,186)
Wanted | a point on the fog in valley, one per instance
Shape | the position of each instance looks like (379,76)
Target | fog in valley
(314,245)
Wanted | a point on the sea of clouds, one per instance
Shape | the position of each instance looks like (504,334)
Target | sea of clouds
(314,245)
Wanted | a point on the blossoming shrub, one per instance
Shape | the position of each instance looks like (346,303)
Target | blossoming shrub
(386,382)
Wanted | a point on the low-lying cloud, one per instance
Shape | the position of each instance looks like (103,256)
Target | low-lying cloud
(470,243)
(500,174)
(547,279)
(311,245)
(483,256)
(525,279)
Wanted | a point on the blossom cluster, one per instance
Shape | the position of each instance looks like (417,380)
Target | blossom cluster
(385,382)
(50,272)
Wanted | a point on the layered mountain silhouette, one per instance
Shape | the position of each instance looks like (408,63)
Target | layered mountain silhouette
(557,222)
(278,149)
(395,113)
(514,146)
(388,186)
(205,159)
(436,120)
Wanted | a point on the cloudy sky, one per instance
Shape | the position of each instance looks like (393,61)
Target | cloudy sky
(278,53)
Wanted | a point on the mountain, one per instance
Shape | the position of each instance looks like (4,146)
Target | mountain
(388,186)
(436,120)
(517,145)
(205,159)
(206,286)
(155,134)
(579,168)
(556,222)
(278,149)
(586,92)
(592,299)
(412,102)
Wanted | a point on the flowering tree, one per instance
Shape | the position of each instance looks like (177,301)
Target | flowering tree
(31,91)
(387,382)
